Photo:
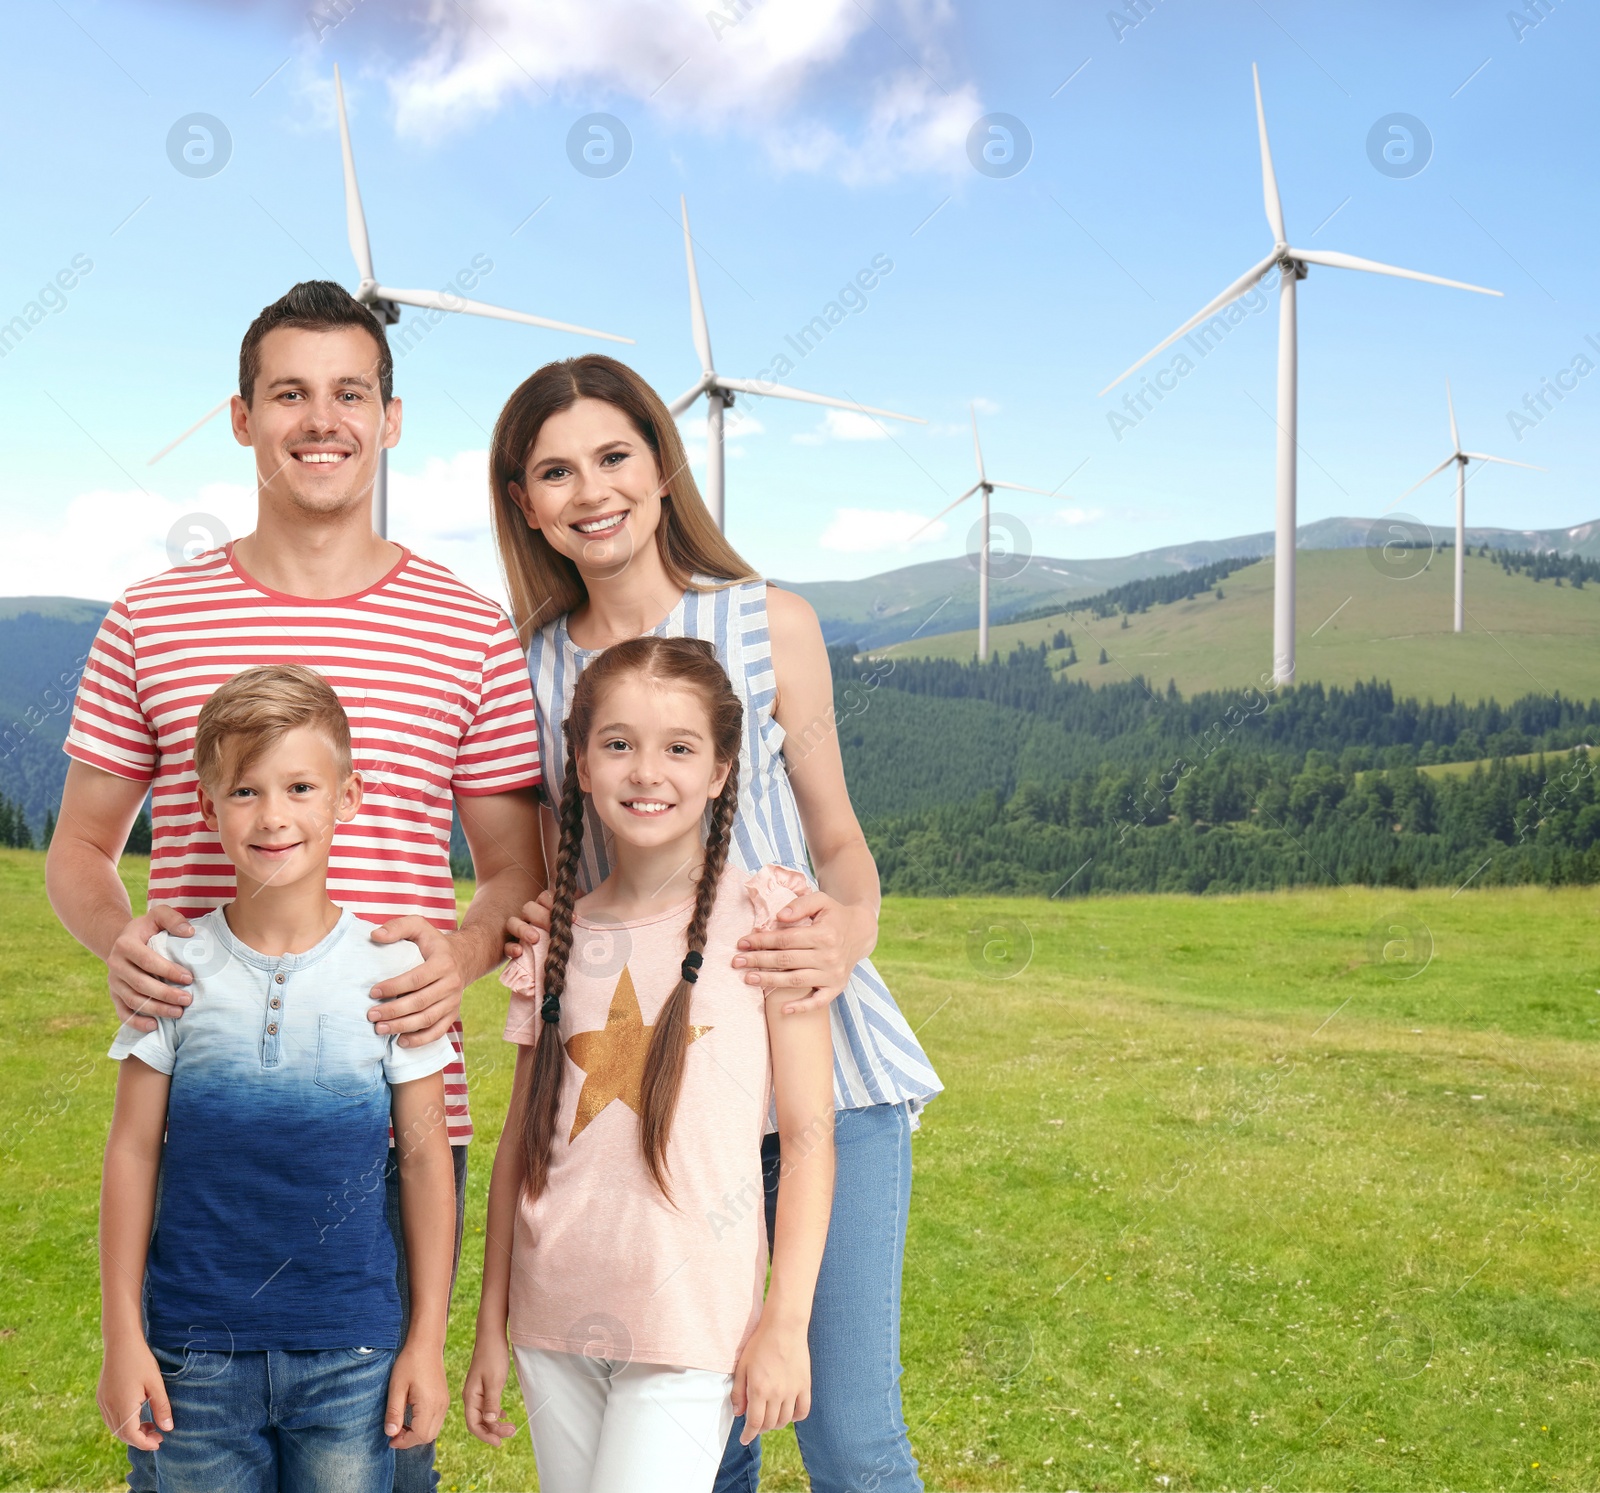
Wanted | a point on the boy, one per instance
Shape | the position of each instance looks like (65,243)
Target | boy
(259,1321)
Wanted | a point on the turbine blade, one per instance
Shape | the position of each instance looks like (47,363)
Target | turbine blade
(1455,435)
(1232,293)
(443,300)
(977,448)
(204,419)
(355,220)
(947,507)
(1339,261)
(1448,461)
(781,391)
(1269,178)
(1018,487)
(1504,461)
(684,400)
(697,310)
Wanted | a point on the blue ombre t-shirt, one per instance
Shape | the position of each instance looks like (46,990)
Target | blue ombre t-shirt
(270,1227)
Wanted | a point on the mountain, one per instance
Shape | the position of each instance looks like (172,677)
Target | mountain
(1354,622)
(941,596)
(53,608)
(43,639)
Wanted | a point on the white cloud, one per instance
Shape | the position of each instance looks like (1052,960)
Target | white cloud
(694,447)
(913,125)
(1070,518)
(736,424)
(843,425)
(750,63)
(739,421)
(986,406)
(105,540)
(864,530)
(442,512)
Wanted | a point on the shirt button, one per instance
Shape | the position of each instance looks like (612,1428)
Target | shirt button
(275,1003)
(272,1029)
(279,977)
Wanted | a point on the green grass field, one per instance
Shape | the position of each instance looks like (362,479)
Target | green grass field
(1466,769)
(1521,638)
(1240,1192)
(1438,770)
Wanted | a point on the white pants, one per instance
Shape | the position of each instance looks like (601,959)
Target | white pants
(603,1426)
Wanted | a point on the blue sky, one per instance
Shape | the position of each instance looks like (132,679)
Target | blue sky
(810,136)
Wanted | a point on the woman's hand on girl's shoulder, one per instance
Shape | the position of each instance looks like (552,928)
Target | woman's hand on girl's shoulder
(811,951)
(535,920)
(772,1383)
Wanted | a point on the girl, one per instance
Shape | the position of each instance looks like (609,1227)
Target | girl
(603,537)
(626,1250)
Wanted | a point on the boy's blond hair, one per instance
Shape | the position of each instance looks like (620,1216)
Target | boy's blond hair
(255,710)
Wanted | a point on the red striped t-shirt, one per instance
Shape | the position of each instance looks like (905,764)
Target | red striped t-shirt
(429,672)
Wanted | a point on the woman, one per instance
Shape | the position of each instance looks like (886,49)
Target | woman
(603,537)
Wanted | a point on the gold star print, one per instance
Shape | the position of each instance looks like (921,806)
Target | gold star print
(612,1059)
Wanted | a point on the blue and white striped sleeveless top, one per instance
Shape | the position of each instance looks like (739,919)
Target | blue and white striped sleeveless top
(876,1057)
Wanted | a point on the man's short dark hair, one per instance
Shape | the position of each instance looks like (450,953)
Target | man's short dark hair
(313,305)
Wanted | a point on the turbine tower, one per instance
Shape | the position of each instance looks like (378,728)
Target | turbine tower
(720,390)
(1460,458)
(386,303)
(1291,266)
(986,485)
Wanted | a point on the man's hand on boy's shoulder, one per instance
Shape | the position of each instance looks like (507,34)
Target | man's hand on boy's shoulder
(143,985)
(424,1001)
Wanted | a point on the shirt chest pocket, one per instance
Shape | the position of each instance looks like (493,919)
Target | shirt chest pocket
(403,747)
(349,1056)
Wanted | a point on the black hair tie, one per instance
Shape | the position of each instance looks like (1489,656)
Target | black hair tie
(550,1009)
(691,967)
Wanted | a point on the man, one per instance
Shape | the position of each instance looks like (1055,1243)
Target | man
(428,671)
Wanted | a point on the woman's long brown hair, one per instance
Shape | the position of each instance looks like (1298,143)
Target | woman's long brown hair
(688,663)
(542,582)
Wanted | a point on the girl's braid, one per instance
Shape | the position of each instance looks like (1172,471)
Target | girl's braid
(669,1041)
(542,1101)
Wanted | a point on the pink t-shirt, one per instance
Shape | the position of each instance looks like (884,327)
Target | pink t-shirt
(602,1264)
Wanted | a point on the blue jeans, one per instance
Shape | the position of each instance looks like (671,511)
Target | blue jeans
(855,1436)
(255,1422)
(413,1467)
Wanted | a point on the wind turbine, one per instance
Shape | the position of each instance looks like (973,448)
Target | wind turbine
(719,389)
(1461,458)
(986,485)
(1291,266)
(386,304)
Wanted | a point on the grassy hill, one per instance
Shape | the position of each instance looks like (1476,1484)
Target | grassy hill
(1554,761)
(1523,637)
(940,596)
